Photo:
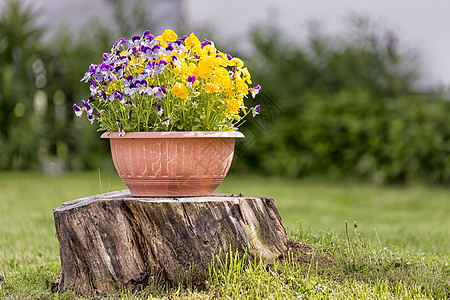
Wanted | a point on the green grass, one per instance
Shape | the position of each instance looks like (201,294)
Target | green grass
(411,217)
(404,253)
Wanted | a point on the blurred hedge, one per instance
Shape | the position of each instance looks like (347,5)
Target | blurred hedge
(339,106)
(345,107)
(40,81)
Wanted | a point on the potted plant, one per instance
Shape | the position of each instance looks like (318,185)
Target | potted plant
(171,108)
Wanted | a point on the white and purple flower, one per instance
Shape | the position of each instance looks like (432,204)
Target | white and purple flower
(78,110)
(166,122)
(159,109)
(190,81)
(178,47)
(255,90)
(256,110)
(87,107)
(161,92)
(159,67)
(141,87)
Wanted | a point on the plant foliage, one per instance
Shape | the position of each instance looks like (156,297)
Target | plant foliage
(345,107)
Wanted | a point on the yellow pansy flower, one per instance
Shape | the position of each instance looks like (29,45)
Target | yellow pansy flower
(211,61)
(246,75)
(223,55)
(241,86)
(192,69)
(229,92)
(161,41)
(204,71)
(199,51)
(236,62)
(222,62)
(192,41)
(234,106)
(169,35)
(180,90)
(220,71)
(209,50)
(224,81)
(211,88)
(205,67)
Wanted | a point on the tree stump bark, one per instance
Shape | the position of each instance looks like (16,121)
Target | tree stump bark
(114,239)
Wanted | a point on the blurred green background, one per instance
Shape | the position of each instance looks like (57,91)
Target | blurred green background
(333,106)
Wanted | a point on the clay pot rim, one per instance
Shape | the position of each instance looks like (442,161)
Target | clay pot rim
(173,135)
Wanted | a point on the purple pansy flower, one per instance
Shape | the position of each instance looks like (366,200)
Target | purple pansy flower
(144,49)
(176,62)
(123,59)
(165,121)
(105,57)
(90,118)
(168,50)
(178,47)
(103,94)
(256,110)
(148,39)
(134,42)
(118,44)
(141,86)
(206,42)
(106,72)
(149,70)
(117,95)
(159,109)
(160,92)
(254,91)
(190,81)
(159,67)
(147,35)
(128,80)
(119,71)
(93,86)
(78,110)
(88,108)
(121,132)
(89,73)
(152,90)
(154,55)
(130,90)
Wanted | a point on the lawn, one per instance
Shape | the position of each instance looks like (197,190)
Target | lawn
(405,232)
(407,217)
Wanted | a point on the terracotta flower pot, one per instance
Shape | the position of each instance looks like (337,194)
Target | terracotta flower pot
(158,164)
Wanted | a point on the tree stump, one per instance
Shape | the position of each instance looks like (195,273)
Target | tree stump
(114,239)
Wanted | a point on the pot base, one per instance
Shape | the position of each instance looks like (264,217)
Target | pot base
(172,187)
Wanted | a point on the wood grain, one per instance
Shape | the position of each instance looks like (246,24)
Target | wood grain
(113,239)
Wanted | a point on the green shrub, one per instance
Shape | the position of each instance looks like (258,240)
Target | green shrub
(19,50)
(40,81)
(345,109)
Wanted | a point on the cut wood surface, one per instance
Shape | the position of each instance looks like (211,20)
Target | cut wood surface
(113,239)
